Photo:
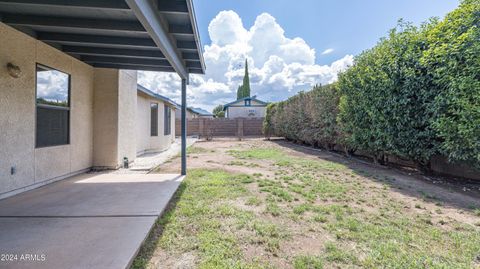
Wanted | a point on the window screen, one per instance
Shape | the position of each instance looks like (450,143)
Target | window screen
(154,119)
(53,107)
(167,121)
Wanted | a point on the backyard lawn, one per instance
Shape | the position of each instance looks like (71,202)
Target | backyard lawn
(264,204)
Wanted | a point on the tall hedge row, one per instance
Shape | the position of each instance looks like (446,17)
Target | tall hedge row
(414,95)
(309,117)
(387,98)
(453,61)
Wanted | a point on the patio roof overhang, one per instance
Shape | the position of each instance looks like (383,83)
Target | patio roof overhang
(151,35)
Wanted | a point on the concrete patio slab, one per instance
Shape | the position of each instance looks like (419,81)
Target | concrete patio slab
(88,221)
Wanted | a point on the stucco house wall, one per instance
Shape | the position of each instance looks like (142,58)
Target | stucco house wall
(239,110)
(37,166)
(105,122)
(127,100)
(172,124)
(103,116)
(246,112)
(146,142)
(114,122)
(190,115)
(205,116)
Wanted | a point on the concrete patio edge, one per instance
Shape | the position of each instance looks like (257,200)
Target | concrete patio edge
(151,228)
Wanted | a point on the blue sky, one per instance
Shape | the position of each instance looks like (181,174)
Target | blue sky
(290,45)
(348,26)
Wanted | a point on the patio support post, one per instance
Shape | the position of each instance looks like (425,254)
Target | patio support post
(184,126)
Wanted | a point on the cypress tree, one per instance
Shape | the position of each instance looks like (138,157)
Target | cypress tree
(244,89)
(240,92)
(246,82)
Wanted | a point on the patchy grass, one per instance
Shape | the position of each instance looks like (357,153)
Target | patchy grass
(307,262)
(197,150)
(338,255)
(283,160)
(243,163)
(254,200)
(476,212)
(273,209)
(341,218)
(202,223)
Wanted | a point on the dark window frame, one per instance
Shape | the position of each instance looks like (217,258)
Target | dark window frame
(52,107)
(153,119)
(167,120)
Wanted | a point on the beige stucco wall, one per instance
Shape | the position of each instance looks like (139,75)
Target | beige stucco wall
(143,123)
(127,106)
(206,117)
(105,122)
(17,115)
(190,115)
(114,121)
(244,112)
(17,110)
(103,118)
(172,124)
(146,142)
(82,116)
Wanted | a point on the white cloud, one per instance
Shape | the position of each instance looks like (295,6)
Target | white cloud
(227,29)
(279,66)
(327,51)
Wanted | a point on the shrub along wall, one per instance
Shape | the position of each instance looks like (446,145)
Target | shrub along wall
(415,95)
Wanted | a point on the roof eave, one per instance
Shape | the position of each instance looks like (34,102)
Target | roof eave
(193,19)
(148,17)
(155,95)
(242,99)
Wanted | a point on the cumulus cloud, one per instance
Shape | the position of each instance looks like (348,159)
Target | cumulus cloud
(327,51)
(279,66)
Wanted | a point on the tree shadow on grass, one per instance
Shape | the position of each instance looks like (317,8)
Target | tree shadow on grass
(150,244)
(448,191)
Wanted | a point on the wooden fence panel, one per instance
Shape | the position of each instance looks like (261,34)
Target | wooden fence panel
(238,127)
(253,127)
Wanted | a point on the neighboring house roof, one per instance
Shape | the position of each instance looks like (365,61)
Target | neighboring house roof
(178,106)
(199,111)
(253,98)
(157,96)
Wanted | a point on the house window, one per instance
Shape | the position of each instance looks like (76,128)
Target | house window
(167,127)
(52,107)
(154,119)
(248,102)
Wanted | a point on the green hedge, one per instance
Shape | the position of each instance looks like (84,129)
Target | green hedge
(414,95)
(453,60)
(308,117)
(388,97)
